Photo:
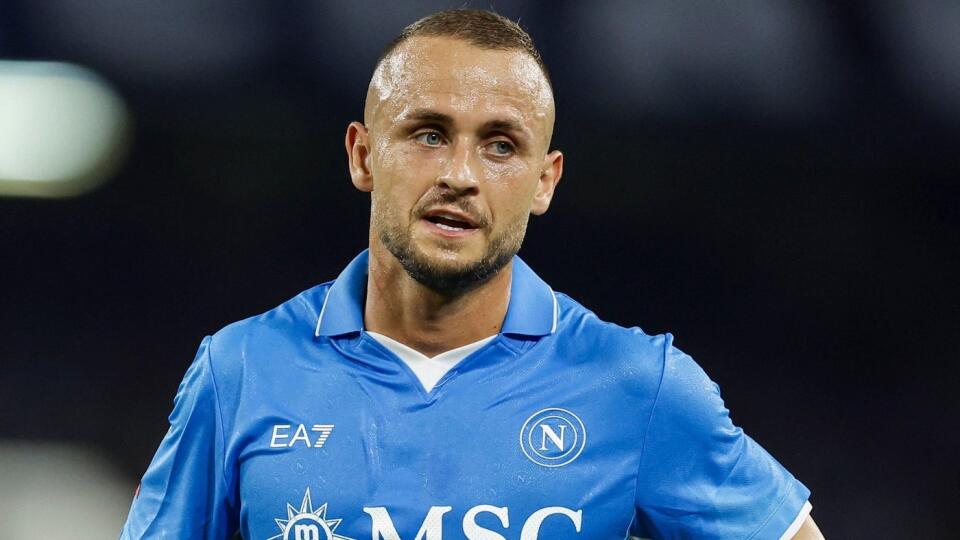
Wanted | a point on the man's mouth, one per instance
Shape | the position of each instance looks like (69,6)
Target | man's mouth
(450,220)
(449,224)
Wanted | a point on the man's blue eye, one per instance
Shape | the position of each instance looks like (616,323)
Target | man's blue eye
(502,148)
(431,138)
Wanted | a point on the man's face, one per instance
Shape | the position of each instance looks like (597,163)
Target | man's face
(456,143)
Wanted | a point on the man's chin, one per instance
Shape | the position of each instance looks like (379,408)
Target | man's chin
(448,259)
(448,267)
(449,271)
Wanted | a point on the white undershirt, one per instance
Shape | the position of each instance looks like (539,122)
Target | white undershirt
(428,370)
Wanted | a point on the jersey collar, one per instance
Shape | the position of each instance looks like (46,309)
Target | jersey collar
(532,310)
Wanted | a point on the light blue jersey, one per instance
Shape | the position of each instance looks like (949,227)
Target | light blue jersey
(297,425)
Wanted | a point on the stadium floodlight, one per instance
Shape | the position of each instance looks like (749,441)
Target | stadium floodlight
(62,129)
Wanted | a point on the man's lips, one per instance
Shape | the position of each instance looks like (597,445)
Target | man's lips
(450,223)
(450,219)
(448,231)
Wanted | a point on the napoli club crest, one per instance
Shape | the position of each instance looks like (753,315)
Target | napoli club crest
(553,437)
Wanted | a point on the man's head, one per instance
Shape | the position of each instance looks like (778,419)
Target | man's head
(454,147)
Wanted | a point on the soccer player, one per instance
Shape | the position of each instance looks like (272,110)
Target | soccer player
(438,388)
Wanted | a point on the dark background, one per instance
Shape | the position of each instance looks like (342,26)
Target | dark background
(775,183)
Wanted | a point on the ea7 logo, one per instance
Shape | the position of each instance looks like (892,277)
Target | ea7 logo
(432,527)
(314,438)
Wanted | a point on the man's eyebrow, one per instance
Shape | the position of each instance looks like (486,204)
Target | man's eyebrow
(507,125)
(427,115)
(502,124)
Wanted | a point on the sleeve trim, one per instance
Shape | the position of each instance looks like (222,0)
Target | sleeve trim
(797,522)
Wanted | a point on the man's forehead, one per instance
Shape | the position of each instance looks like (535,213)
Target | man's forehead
(428,68)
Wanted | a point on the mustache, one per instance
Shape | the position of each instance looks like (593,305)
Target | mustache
(436,198)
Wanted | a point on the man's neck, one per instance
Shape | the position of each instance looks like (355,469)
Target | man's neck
(402,308)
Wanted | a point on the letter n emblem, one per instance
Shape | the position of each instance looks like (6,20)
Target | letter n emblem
(553,437)
(549,433)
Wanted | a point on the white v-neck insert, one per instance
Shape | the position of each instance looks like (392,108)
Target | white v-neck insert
(428,370)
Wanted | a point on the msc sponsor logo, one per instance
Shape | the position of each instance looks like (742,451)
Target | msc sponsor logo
(307,523)
(432,527)
(553,437)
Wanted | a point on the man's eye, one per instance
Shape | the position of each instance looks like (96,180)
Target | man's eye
(430,138)
(501,148)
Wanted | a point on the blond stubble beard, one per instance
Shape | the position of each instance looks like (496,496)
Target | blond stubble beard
(436,276)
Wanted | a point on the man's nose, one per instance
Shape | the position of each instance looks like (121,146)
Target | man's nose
(459,172)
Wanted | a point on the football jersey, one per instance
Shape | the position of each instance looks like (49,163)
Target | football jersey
(297,425)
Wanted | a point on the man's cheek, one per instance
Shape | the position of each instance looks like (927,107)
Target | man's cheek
(507,174)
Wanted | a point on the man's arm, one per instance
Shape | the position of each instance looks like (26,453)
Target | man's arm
(700,476)
(184,493)
(808,531)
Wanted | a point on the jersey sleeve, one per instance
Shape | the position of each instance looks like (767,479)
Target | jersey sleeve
(184,493)
(702,477)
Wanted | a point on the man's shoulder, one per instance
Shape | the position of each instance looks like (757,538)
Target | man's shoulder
(642,364)
(619,346)
(292,321)
(576,319)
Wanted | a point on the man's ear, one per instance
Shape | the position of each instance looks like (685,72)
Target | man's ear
(357,143)
(550,175)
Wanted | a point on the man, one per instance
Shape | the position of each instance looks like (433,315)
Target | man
(438,388)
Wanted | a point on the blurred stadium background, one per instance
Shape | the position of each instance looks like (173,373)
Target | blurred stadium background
(775,182)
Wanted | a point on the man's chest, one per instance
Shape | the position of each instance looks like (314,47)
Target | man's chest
(490,454)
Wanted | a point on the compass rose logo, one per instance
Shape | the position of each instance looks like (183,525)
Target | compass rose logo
(307,523)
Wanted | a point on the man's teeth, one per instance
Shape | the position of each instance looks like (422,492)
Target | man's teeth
(448,227)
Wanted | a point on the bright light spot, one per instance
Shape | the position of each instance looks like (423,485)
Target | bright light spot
(60,491)
(62,129)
